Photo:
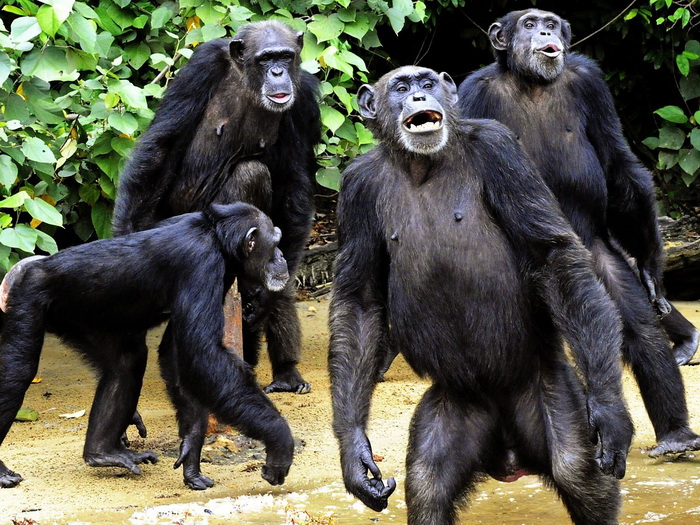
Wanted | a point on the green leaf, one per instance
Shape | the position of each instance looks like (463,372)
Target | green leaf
(403,7)
(667,160)
(45,242)
(671,137)
(331,118)
(21,237)
(651,142)
(47,19)
(689,160)
(36,149)
(683,64)
(15,201)
(160,16)
(5,67)
(329,178)
(126,122)
(43,211)
(27,414)
(131,95)
(344,97)
(212,32)
(8,172)
(24,29)
(695,138)
(85,30)
(364,136)
(102,220)
(690,86)
(672,114)
(326,27)
(63,9)
(396,19)
(631,14)
(49,64)
(89,193)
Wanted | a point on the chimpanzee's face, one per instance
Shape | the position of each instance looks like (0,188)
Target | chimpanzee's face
(264,261)
(268,53)
(538,44)
(408,107)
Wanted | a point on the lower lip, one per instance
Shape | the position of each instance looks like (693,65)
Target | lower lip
(280,100)
(550,54)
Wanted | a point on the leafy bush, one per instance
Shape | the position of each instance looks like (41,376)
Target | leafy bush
(80,80)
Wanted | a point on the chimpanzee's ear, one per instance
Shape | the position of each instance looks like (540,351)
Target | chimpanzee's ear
(300,40)
(449,86)
(236,48)
(366,101)
(566,34)
(250,240)
(497,37)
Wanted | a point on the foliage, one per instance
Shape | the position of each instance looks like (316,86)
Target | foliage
(678,140)
(81,79)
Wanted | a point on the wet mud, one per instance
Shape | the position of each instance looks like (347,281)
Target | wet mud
(59,487)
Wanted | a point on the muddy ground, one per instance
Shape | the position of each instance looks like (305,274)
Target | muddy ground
(59,487)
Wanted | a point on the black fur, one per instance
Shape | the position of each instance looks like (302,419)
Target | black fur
(465,255)
(101,297)
(571,130)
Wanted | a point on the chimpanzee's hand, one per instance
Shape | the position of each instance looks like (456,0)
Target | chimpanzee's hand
(611,428)
(658,301)
(356,461)
(279,459)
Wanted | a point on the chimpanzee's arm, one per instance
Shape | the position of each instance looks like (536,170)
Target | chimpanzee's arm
(218,379)
(292,164)
(357,328)
(160,149)
(563,272)
(631,201)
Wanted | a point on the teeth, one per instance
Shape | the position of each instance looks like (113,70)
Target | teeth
(427,126)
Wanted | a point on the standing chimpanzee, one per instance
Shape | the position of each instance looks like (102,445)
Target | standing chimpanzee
(100,298)
(239,122)
(451,243)
(562,112)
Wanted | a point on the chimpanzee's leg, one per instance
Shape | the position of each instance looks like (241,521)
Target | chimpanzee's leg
(552,431)
(191,416)
(448,441)
(646,348)
(284,343)
(20,348)
(120,359)
(684,336)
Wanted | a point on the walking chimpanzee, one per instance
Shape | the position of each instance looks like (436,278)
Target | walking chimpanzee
(101,297)
(560,109)
(451,244)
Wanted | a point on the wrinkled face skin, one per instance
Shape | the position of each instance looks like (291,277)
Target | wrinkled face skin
(536,45)
(263,259)
(408,108)
(268,53)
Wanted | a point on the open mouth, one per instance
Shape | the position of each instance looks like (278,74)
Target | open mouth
(550,50)
(280,98)
(423,122)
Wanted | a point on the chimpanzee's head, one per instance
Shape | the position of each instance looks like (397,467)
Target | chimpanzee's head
(531,43)
(248,236)
(267,54)
(410,108)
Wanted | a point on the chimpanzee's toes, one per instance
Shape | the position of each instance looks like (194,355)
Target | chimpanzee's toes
(684,352)
(8,479)
(677,442)
(127,459)
(198,482)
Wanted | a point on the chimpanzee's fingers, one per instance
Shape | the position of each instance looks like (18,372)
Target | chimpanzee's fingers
(140,426)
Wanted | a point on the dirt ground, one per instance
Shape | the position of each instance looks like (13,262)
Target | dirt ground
(59,487)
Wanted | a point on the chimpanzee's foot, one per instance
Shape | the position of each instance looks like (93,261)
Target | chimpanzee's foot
(684,352)
(189,458)
(121,458)
(676,442)
(8,478)
(138,423)
(289,380)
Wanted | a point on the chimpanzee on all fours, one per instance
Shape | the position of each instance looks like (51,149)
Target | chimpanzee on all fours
(449,238)
(238,123)
(560,109)
(101,297)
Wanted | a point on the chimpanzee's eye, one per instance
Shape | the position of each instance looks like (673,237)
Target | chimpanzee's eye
(428,85)
(529,25)
(402,88)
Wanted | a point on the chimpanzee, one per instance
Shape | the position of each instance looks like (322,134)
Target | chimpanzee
(101,297)
(239,122)
(560,109)
(451,244)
